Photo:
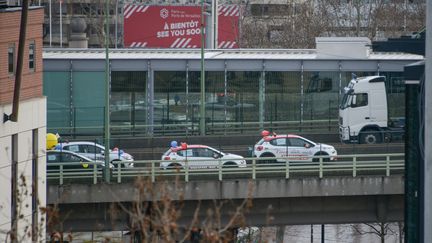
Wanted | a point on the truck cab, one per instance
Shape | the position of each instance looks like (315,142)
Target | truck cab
(363,115)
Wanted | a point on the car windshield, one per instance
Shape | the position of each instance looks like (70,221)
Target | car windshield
(261,141)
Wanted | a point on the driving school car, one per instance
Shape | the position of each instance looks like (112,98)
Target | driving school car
(293,147)
(199,156)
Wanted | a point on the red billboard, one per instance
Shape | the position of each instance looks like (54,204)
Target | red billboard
(228,21)
(175,26)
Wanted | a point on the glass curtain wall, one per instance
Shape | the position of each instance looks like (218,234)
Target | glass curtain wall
(170,100)
(56,87)
(88,98)
(395,86)
(243,96)
(75,101)
(282,96)
(128,104)
(321,95)
(214,97)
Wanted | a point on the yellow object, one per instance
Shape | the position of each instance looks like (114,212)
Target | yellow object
(51,140)
(85,165)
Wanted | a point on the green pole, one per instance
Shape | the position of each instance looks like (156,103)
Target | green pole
(202,91)
(107,96)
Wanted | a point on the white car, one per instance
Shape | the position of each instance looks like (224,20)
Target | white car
(200,156)
(96,152)
(293,147)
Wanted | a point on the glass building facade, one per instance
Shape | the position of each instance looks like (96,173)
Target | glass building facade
(154,96)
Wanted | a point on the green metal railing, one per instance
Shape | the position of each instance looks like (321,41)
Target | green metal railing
(256,168)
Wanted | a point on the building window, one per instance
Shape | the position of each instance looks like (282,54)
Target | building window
(32,56)
(11,59)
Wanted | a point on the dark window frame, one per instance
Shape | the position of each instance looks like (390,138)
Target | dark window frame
(11,59)
(31,56)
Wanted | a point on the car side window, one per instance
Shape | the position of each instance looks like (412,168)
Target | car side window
(97,149)
(278,142)
(65,157)
(185,153)
(90,149)
(297,142)
(52,157)
(203,152)
(73,148)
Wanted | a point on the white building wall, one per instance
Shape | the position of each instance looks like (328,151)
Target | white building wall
(32,115)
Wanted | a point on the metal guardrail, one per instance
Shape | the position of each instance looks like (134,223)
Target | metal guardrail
(345,165)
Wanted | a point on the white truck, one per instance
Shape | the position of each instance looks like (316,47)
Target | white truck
(363,112)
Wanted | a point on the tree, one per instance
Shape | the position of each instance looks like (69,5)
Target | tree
(295,24)
(381,229)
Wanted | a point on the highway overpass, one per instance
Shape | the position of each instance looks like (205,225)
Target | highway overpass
(368,188)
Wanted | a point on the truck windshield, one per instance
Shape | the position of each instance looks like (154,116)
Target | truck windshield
(346,101)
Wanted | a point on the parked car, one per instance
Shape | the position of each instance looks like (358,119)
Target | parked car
(96,152)
(293,147)
(77,161)
(200,156)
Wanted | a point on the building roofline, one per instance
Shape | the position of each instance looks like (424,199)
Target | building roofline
(17,9)
(216,54)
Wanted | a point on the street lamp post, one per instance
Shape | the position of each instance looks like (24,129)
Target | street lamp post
(202,91)
(107,97)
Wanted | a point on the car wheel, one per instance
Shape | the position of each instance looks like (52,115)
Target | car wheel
(174,166)
(230,164)
(321,154)
(115,163)
(370,137)
(267,161)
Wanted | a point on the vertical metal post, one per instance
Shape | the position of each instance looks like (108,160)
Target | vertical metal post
(118,173)
(107,96)
(253,169)
(321,167)
(287,169)
(61,174)
(187,98)
(225,96)
(94,173)
(61,24)
(20,62)
(413,163)
(261,98)
(153,176)
(116,21)
(322,233)
(354,166)
(50,23)
(202,93)
(220,170)
(186,171)
(427,176)
(301,96)
(387,165)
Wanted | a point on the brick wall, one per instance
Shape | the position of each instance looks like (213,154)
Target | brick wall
(31,85)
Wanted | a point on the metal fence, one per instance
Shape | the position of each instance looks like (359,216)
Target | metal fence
(256,168)
(192,128)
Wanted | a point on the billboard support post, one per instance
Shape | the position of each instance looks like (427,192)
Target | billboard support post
(202,91)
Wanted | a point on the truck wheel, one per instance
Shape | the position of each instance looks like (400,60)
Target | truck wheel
(370,137)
